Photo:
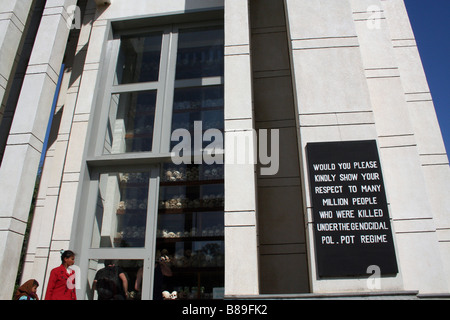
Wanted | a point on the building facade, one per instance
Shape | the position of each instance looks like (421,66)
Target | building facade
(259,148)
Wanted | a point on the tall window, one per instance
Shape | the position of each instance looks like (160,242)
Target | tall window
(151,218)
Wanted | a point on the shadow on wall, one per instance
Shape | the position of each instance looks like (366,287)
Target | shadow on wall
(196,4)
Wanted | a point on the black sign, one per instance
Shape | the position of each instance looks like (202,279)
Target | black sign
(351,221)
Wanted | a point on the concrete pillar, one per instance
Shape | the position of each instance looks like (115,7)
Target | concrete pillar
(422,115)
(241,246)
(413,221)
(333,100)
(93,37)
(24,146)
(40,241)
(13,18)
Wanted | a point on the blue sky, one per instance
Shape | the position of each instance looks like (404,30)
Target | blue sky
(430,20)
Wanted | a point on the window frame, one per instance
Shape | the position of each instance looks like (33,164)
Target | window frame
(145,253)
(99,162)
(165,87)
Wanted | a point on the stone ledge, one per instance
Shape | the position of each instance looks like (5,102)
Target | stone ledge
(376,295)
(434,296)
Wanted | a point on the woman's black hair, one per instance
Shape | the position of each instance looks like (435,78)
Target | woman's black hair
(67,254)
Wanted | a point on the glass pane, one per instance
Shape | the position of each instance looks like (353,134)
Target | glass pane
(139,59)
(191,196)
(197,268)
(203,104)
(131,122)
(200,53)
(190,229)
(174,173)
(105,283)
(196,224)
(121,212)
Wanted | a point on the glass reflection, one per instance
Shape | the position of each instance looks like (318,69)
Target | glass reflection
(121,213)
(139,59)
(204,104)
(131,122)
(200,53)
(190,229)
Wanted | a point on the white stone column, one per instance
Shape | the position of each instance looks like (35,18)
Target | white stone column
(39,243)
(241,246)
(333,101)
(422,116)
(414,224)
(13,18)
(24,146)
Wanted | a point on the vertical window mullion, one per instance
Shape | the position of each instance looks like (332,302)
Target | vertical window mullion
(169,91)
(160,101)
(105,104)
(150,241)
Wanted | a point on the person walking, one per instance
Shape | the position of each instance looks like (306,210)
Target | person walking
(61,285)
(111,282)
